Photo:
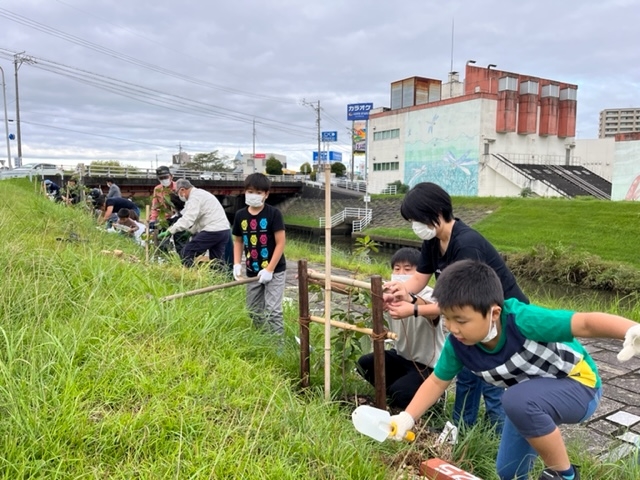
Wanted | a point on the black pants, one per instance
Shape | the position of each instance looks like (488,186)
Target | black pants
(215,242)
(403,377)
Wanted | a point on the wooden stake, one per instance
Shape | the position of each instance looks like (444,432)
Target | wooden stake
(147,239)
(349,326)
(212,288)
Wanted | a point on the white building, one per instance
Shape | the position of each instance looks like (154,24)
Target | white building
(466,136)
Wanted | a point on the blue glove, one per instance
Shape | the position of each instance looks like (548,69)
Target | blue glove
(264,276)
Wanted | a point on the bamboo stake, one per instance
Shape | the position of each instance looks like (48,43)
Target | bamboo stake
(349,326)
(146,242)
(342,280)
(212,288)
(327,268)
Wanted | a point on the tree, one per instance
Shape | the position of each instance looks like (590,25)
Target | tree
(338,168)
(305,168)
(273,166)
(211,162)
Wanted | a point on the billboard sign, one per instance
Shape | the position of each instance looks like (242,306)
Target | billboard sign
(333,156)
(358,111)
(359,137)
(329,136)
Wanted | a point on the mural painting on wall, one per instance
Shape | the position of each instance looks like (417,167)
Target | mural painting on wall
(625,183)
(441,146)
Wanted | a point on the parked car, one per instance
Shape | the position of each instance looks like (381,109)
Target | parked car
(210,176)
(32,169)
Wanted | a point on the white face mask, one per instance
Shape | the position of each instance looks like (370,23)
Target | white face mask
(400,278)
(493,330)
(253,199)
(182,198)
(165,182)
(423,231)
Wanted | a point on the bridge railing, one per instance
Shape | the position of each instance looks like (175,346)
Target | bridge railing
(136,172)
(363,216)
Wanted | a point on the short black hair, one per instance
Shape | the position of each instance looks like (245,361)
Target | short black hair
(259,181)
(406,255)
(101,200)
(425,202)
(123,213)
(111,180)
(469,283)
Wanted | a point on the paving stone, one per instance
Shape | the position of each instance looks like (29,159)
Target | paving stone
(624,418)
(606,407)
(609,372)
(622,395)
(605,427)
(619,452)
(629,437)
(585,438)
(610,357)
(630,381)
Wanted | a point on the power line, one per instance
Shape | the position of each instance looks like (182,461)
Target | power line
(159,98)
(132,60)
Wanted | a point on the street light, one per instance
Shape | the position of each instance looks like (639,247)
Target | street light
(6,120)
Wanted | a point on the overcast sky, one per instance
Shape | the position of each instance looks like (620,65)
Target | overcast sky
(132,80)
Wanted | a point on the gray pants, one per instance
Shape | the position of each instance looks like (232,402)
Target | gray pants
(264,302)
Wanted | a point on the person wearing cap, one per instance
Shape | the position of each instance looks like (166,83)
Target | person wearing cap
(205,218)
(160,192)
(114,190)
(52,189)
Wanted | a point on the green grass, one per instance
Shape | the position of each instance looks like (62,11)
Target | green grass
(301,220)
(597,227)
(98,379)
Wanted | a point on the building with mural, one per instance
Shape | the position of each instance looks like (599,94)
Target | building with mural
(493,134)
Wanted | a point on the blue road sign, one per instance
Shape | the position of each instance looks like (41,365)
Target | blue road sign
(329,136)
(358,111)
(333,156)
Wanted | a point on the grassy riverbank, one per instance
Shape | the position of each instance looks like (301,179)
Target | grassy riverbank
(98,379)
(580,242)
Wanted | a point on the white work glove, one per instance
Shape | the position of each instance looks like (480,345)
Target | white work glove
(237,271)
(401,424)
(264,276)
(631,345)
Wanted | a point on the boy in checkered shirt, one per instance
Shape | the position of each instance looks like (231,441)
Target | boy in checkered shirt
(532,352)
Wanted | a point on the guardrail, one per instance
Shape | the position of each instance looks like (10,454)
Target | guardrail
(363,216)
(135,172)
(390,190)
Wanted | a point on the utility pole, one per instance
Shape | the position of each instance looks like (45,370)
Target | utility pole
(254,146)
(6,120)
(17,57)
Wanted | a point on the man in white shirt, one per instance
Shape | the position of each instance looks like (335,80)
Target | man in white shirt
(205,218)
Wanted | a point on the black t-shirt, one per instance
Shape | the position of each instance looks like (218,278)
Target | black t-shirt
(466,243)
(258,237)
(118,203)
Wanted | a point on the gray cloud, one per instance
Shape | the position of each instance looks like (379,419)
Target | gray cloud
(246,59)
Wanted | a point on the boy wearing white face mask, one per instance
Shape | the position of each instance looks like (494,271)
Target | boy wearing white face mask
(532,352)
(419,342)
(447,239)
(258,233)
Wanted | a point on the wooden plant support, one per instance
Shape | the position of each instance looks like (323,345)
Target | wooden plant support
(378,333)
(147,239)
(212,288)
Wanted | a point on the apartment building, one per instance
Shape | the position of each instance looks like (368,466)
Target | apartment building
(619,120)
